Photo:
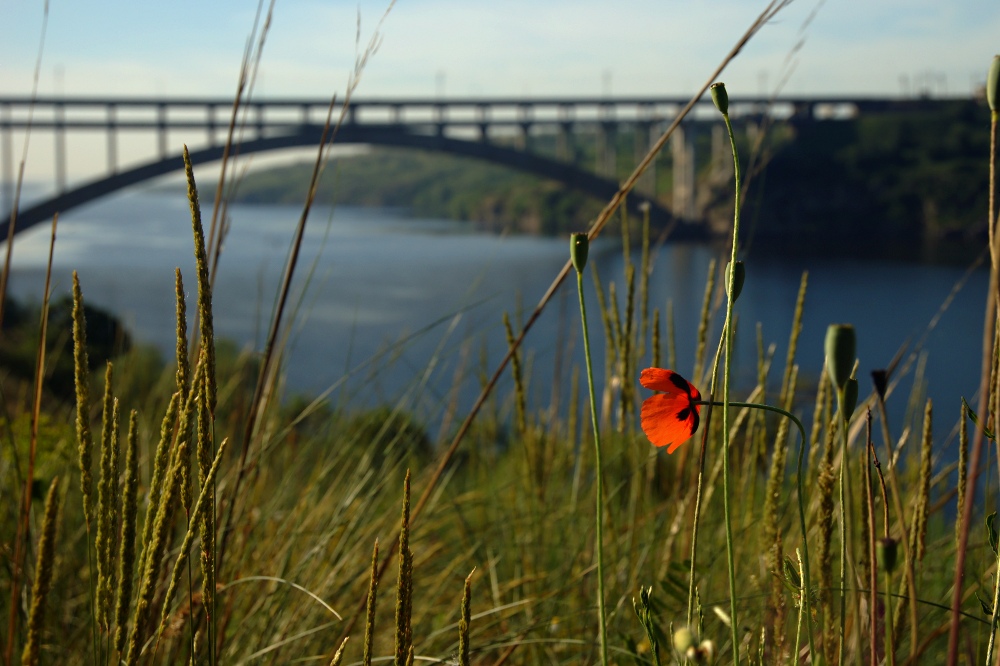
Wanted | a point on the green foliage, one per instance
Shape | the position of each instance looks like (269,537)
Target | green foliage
(106,337)
(431,185)
(908,178)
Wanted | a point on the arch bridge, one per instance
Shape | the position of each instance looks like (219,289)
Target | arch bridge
(505,131)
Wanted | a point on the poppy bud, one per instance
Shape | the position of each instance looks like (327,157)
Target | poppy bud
(579,244)
(683,640)
(738,277)
(880,378)
(720,97)
(840,353)
(992,83)
(850,397)
(885,553)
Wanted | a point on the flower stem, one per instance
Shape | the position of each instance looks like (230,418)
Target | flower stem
(728,337)
(599,482)
(890,649)
(801,493)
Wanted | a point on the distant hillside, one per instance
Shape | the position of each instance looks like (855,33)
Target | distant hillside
(906,179)
(431,185)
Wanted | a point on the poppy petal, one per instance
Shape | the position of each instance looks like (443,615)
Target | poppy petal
(669,420)
(659,379)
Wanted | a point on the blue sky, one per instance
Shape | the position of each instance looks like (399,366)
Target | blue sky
(485,47)
(499,47)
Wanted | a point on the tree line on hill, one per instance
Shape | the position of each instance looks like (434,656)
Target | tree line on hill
(904,179)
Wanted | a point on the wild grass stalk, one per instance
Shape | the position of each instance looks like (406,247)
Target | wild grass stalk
(206,453)
(201,505)
(370,609)
(404,585)
(126,552)
(520,398)
(183,361)
(85,443)
(885,557)
(106,496)
(338,656)
(23,516)
(986,409)
(43,576)
(880,381)
(917,546)
(466,619)
(772,530)
(161,526)
(161,466)
(870,572)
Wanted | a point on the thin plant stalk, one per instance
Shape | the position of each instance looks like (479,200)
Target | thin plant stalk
(989,328)
(21,535)
(803,593)
(844,423)
(728,346)
(870,545)
(802,440)
(994,619)
(890,649)
(579,261)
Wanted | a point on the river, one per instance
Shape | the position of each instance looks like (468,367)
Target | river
(388,306)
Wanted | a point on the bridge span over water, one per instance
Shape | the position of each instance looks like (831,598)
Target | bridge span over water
(501,130)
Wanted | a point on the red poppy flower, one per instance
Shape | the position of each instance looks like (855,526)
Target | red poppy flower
(671,417)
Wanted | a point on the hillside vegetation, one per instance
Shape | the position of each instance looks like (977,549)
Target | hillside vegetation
(905,178)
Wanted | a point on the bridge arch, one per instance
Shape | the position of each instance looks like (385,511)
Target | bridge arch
(310,135)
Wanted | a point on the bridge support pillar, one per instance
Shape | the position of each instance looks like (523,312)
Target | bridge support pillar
(161,130)
(7,157)
(644,139)
(682,148)
(112,140)
(565,146)
(607,156)
(722,156)
(60,141)
(524,137)
(210,124)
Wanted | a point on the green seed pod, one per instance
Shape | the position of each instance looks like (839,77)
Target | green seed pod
(683,640)
(840,353)
(992,83)
(850,397)
(739,276)
(885,553)
(579,245)
(720,97)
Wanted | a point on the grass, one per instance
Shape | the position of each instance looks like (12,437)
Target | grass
(226,528)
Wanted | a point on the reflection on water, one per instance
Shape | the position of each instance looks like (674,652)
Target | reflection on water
(369,279)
